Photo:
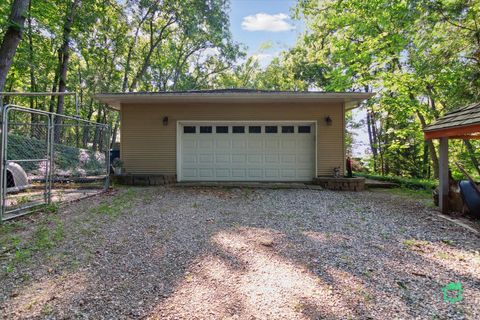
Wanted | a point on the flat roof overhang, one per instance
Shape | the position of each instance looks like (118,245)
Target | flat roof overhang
(115,100)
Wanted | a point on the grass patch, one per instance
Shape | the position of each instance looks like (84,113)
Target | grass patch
(17,249)
(8,227)
(423,196)
(247,192)
(448,241)
(443,255)
(407,183)
(409,193)
(47,309)
(120,202)
(52,207)
(20,242)
(414,244)
(47,236)
(415,194)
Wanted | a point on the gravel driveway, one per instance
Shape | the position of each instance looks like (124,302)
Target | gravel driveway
(206,253)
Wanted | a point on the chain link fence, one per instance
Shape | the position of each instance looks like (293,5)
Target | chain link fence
(48,158)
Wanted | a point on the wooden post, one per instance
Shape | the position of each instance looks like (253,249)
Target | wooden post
(443,187)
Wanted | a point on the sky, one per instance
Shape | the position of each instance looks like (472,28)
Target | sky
(266,28)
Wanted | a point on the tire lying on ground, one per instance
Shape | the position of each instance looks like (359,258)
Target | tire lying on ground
(16,177)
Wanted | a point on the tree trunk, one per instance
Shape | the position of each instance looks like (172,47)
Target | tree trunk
(433,104)
(425,164)
(11,39)
(153,45)
(376,142)
(370,139)
(51,107)
(97,131)
(431,148)
(65,51)
(102,135)
(131,47)
(34,130)
(471,153)
(114,132)
(86,129)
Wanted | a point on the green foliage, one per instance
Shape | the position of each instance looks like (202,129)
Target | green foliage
(420,57)
(115,46)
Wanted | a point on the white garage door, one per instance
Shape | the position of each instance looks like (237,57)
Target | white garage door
(246,151)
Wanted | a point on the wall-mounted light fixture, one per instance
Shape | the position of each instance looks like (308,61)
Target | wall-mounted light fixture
(328,120)
(165,121)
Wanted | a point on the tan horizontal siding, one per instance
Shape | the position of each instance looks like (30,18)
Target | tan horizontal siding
(147,146)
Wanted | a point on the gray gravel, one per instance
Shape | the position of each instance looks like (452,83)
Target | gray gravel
(206,253)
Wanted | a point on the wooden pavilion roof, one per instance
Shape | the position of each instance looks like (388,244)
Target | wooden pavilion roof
(462,123)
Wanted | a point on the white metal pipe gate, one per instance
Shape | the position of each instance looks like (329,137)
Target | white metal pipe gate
(40,148)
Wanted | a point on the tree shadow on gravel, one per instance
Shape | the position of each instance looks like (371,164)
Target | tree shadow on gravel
(216,253)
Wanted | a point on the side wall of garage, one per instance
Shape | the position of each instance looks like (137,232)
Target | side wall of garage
(149,147)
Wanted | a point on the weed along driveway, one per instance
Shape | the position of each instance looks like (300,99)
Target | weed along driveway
(213,253)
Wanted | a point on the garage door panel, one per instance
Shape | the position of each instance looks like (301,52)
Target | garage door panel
(239,158)
(205,172)
(272,158)
(205,144)
(190,158)
(288,144)
(288,173)
(288,158)
(245,156)
(189,173)
(254,144)
(205,158)
(239,173)
(222,172)
(255,173)
(222,158)
(272,143)
(301,144)
(304,173)
(255,158)
(239,144)
(222,144)
(272,173)
(304,158)
(188,144)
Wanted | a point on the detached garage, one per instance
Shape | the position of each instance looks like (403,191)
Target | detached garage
(233,135)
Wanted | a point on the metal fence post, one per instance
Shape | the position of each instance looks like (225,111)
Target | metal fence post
(3,162)
(107,156)
(50,155)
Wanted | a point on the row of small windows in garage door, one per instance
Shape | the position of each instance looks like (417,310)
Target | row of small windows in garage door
(249,129)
